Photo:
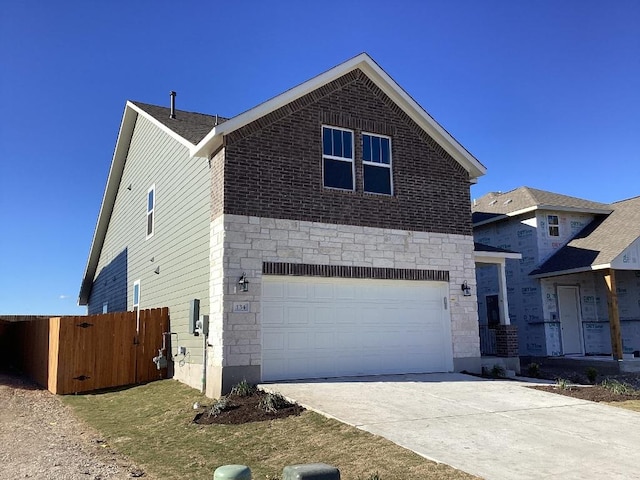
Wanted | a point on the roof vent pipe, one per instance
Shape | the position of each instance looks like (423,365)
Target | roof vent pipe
(173,104)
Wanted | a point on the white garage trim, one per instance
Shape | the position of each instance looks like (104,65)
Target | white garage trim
(314,327)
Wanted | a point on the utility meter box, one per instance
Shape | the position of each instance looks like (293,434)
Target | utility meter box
(194,315)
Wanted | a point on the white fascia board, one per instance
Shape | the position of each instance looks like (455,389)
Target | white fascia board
(495,257)
(162,126)
(365,63)
(422,118)
(108,199)
(596,211)
(552,208)
(571,271)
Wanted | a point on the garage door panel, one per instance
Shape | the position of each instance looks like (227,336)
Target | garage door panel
(272,290)
(346,292)
(273,341)
(297,291)
(323,291)
(272,315)
(324,315)
(336,327)
(324,340)
(298,341)
(297,314)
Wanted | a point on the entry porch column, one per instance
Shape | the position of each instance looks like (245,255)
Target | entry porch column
(614,315)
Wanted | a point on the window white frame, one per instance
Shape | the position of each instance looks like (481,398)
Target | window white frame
(339,157)
(136,296)
(553,224)
(379,164)
(105,307)
(151,211)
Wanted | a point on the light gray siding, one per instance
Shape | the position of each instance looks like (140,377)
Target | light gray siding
(179,247)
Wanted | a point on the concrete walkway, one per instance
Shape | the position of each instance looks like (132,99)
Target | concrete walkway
(496,429)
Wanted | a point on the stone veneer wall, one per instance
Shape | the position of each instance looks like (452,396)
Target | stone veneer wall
(247,242)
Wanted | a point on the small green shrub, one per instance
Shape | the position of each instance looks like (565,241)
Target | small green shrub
(272,402)
(618,387)
(243,389)
(563,384)
(498,371)
(534,370)
(591,374)
(219,406)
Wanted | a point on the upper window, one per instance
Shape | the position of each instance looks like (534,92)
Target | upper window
(376,159)
(151,207)
(136,295)
(554,225)
(337,158)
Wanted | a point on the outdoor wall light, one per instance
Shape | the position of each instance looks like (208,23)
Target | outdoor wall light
(244,283)
(466,289)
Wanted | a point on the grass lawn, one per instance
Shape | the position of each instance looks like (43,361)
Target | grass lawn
(152,425)
(629,405)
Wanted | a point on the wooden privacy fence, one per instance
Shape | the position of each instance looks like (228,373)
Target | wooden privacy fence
(81,354)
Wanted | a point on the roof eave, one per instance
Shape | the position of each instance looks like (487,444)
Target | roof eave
(522,211)
(479,255)
(570,271)
(365,63)
(108,199)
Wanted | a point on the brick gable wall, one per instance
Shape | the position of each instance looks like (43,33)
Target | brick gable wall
(273,166)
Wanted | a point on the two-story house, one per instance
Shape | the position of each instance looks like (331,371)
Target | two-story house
(325,232)
(576,290)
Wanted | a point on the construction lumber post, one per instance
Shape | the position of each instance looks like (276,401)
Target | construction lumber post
(614,315)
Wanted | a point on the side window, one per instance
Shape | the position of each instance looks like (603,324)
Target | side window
(337,158)
(554,225)
(105,307)
(376,161)
(136,295)
(151,207)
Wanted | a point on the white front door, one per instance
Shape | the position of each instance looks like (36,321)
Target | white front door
(316,327)
(570,325)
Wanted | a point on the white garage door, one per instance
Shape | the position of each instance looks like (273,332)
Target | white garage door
(316,327)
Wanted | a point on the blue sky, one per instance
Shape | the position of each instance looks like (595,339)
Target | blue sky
(545,93)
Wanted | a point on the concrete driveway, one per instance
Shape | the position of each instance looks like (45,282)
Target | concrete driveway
(496,429)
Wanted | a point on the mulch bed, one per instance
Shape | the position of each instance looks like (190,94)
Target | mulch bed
(245,410)
(596,393)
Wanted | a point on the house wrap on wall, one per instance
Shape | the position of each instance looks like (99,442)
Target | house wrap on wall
(578,259)
(340,206)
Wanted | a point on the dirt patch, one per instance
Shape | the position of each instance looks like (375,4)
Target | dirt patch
(41,438)
(578,385)
(245,409)
(595,393)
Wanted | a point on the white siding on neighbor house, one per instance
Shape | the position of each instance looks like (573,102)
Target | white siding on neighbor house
(250,241)
(179,247)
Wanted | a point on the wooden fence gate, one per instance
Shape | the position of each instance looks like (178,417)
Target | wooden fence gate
(82,354)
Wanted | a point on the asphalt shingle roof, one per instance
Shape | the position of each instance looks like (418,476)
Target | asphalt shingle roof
(189,125)
(496,204)
(600,242)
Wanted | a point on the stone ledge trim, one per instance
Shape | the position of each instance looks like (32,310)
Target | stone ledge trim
(346,271)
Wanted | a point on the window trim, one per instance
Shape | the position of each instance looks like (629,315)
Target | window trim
(555,225)
(378,164)
(352,160)
(136,306)
(151,211)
